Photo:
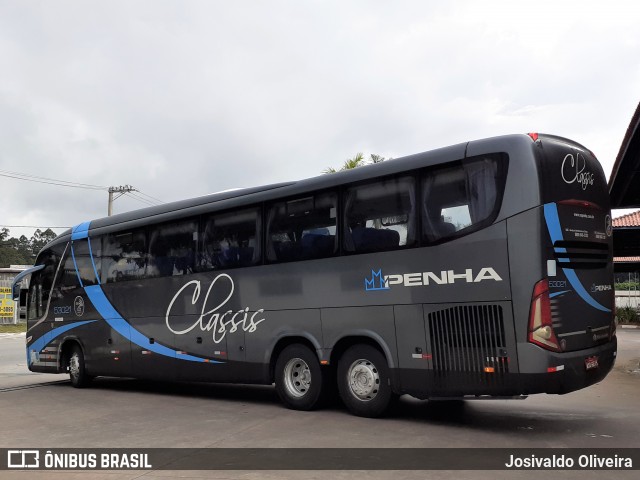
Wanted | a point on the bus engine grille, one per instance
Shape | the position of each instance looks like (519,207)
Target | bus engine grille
(469,339)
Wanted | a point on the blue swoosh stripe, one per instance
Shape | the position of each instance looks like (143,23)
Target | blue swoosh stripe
(555,231)
(556,294)
(120,325)
(95,270)
(48,337)
(80,231)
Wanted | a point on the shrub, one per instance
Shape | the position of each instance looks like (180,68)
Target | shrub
(627,315)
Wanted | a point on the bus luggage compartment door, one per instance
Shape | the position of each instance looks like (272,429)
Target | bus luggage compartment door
(414,361)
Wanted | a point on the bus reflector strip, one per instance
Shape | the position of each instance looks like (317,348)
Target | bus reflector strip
(146,352)
(324,362)
(421,356)
(559,368)
(489,370)
(115,352)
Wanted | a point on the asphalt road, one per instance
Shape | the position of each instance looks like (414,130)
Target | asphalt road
(130,413)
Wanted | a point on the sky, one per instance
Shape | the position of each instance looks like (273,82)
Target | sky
(186,98)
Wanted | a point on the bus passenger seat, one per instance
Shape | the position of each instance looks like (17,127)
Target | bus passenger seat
(317,245)
(373,239)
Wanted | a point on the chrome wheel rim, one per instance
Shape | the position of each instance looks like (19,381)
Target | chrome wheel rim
(297,377)
(74,365)
(364,380)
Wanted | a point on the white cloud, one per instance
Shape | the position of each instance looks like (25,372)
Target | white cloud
(186,98)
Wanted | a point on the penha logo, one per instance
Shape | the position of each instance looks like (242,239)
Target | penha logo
(378,281)
(573,170)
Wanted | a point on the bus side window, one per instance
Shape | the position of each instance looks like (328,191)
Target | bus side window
(380,216)
(125,255)
(67,279)
(231,240)
(303,228)
(462,198)
(172,248)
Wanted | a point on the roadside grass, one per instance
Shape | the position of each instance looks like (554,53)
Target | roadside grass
(18,328)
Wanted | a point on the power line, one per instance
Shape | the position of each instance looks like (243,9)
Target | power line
(122,190)
(141,199)
(49,181)
(28,175)
(150,197)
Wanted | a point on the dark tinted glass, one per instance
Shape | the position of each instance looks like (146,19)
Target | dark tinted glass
(67,279)
(83,262)
(461,198)
(302,229)
(124,256)
(231,240)
(41,282)
(172,248)
(380,216)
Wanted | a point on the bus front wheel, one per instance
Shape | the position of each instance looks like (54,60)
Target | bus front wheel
(364,382)
(299,378)
(77,372)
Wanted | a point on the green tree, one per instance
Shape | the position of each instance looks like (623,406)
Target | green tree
(40,239)
(13,251)
(358,160)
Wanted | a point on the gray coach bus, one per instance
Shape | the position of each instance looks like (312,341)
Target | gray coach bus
(480,269)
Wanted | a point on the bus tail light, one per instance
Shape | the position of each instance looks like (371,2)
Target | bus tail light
(540,324)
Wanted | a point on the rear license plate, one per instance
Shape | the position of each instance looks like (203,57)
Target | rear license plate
(591,362)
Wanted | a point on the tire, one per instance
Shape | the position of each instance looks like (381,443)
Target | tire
(299,378)
(364,382)
(77,371)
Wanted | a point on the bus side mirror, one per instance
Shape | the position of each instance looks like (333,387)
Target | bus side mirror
(22,304)
(16,292)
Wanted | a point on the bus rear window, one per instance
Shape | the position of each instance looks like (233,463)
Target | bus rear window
(462,198)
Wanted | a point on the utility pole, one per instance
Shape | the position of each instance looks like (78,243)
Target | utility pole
(121,190)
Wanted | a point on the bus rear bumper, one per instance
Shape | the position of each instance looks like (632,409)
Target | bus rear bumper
(540,371)
(568,372)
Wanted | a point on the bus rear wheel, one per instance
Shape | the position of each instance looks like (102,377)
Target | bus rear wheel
(77,371)
(364,382)
(299,381)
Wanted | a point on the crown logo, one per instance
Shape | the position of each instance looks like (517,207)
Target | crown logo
(377,282)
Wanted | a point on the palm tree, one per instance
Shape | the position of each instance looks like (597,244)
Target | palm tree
(355,162)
